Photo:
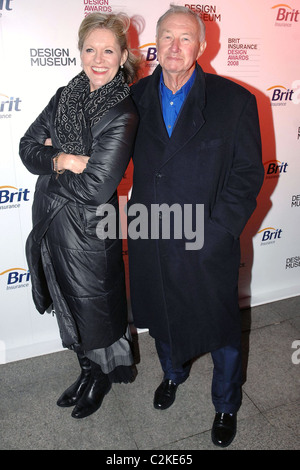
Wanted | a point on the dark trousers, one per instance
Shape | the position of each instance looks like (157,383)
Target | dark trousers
(227,375)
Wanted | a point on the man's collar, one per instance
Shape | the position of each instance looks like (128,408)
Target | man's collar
(151,91)
(183,90)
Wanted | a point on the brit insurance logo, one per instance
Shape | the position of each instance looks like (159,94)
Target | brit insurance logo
(12,197)
(270,235)
(9,105)
(281,95)
(275,168)
(286,15)
(5,5)
(15,278)
(149,51)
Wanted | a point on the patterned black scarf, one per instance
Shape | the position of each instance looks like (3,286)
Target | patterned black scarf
(79,109)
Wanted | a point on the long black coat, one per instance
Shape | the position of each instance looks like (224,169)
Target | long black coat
(87,273)
(190,297)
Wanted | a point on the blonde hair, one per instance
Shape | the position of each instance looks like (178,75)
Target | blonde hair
(119,25)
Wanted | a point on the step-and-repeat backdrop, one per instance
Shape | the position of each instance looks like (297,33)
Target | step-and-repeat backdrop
(253,42)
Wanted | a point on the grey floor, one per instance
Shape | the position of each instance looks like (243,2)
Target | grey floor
(269,418)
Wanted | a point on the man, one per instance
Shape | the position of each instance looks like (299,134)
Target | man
(198,145)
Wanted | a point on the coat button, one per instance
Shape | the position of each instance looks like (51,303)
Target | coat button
(157,178)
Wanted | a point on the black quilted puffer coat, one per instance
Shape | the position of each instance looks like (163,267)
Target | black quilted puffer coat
(81,274)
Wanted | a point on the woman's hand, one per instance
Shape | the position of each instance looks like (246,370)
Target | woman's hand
(74,163)
(67,161)
(48,142)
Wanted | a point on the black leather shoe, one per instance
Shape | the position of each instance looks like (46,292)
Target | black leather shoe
(165,395)
(224,429)
(71,396)
(92,397)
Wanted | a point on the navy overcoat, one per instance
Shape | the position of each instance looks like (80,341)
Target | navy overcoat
(213,159)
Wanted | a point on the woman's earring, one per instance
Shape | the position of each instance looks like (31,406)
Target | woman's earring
(122,66)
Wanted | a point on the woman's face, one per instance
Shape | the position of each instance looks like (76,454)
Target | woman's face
(101,57)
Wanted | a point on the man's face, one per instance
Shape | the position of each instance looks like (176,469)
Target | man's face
(178,43)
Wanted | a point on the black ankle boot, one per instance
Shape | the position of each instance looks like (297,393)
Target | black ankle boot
(91,400)
(71,396)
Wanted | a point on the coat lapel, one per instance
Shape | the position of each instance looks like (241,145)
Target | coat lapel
(151,112)
(190,119)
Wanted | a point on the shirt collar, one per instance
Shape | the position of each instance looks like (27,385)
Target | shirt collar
(182,91)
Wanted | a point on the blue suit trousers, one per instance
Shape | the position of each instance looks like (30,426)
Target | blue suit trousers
(226,387)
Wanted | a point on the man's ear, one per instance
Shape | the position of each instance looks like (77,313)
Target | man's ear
(201,49)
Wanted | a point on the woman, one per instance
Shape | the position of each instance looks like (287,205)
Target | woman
(80,146)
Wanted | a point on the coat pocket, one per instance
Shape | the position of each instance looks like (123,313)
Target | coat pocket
(88,219)
(99,225)
(212,143)
(81,217)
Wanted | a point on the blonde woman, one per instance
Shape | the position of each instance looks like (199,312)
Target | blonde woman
(80,146)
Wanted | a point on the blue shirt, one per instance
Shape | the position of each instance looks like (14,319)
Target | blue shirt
(171,104)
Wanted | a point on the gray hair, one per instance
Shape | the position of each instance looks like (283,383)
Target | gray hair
(174,9)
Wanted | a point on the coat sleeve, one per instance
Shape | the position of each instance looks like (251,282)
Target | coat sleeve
(110,155)
(37,157)
(237,200)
